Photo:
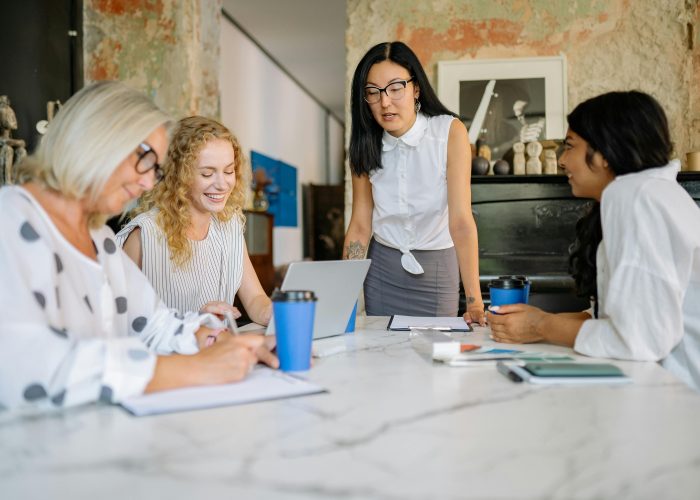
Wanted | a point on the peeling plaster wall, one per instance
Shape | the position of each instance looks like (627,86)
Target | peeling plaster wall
(167,48)
(609,44)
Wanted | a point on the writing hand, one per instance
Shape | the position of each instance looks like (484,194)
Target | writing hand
(220,309)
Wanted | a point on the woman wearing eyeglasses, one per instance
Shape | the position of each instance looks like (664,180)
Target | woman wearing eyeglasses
(411,213)
(188,236)
(80,322)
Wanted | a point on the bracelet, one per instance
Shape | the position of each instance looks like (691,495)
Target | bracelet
(212,338)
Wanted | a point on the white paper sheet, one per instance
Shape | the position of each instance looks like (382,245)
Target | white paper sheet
(261,385)
(446,323)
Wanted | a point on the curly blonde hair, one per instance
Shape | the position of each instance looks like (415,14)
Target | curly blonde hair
(171,196)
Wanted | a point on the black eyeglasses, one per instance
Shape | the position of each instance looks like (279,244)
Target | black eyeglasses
(148,160)
(394,91)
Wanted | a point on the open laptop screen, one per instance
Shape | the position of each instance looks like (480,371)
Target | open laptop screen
(337,285)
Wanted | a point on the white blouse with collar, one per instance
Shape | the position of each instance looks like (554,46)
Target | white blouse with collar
(410,190)
(648,275)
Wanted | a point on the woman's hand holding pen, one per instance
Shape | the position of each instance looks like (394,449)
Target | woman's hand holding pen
(262,347)
(230,359)
(220,309)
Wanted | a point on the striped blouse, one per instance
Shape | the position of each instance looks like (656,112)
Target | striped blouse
(213,273)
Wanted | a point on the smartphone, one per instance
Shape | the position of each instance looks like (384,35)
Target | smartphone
(573,370)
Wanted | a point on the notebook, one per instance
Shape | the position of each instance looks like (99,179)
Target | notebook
(336,284)
(262,384)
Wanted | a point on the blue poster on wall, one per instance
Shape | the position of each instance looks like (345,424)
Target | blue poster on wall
(280,187)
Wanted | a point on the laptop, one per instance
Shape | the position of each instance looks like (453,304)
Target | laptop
(336,284)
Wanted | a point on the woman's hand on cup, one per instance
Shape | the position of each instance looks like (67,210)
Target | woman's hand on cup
(515,323)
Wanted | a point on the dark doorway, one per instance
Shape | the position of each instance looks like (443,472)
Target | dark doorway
(40,58)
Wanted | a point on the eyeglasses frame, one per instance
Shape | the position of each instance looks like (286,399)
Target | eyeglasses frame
(404,82)
(145,150)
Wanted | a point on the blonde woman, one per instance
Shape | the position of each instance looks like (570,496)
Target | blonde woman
(188,236)
(80,322)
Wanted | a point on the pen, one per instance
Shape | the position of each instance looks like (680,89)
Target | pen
(231,322)
(505,370)
(441,328)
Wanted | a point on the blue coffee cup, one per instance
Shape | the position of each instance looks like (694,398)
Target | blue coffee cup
(526,290)
(351,321)
(507,290)
(293,314)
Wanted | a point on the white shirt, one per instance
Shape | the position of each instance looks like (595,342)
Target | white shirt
(213,273)
(648,275)
(74,330)
(410,190)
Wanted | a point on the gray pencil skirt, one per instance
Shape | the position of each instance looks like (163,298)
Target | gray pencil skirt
(390,289)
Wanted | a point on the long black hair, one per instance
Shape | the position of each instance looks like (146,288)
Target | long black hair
(630,130)
(365,132)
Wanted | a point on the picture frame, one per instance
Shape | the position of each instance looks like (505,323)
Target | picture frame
(503,100)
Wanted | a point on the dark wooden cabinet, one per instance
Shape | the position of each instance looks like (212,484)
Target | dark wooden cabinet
(41,50)
(258,239)
(526,225)
(324,222)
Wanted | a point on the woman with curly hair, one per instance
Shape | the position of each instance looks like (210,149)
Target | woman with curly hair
(188,234)
(637,253)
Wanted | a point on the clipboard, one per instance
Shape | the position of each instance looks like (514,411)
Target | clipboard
(399,323)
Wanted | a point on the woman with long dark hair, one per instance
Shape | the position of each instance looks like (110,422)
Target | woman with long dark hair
(637,253)
(411,212)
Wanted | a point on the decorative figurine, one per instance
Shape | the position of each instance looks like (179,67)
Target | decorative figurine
(550,162)
(12,151)
(480,166)
(519,158)
(534,164)
(260,182)
(485,152)
(51,107)
(501,167)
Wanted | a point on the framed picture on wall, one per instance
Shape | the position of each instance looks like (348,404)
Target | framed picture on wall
(502,101)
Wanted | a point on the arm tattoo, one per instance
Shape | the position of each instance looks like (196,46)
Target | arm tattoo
(356,250)
(470,299)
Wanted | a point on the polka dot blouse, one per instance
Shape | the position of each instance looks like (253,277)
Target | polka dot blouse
(74,330)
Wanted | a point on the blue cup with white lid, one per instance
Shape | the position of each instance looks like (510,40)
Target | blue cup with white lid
(506,290)
(293,314)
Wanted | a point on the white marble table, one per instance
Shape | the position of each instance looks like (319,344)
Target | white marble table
(394,426)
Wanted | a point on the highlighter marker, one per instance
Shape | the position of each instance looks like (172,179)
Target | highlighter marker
(503,369)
